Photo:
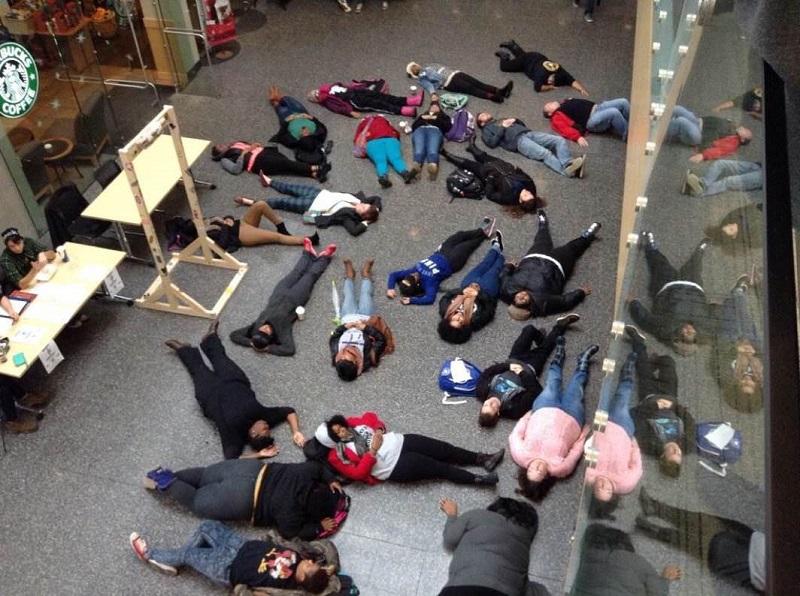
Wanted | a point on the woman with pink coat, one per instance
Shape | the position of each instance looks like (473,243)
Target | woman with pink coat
(619,460)
(547,442)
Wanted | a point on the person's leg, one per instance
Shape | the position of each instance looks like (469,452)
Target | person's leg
(377,153)
(273,163)
(349,306)
(522,345)
(684,127)
(572,400)
(439,450)
(550,397)
(543,242)
(481,273)
(458,247)
(746,326)
(288,106)
(303,191)
(528,146)
(206,383)
(681,112)
(366,100)
(433,144)
(607,117)
(569,254)
(394,153)
(464,83)
(419,144)
(667,382)
(185,486)
(226,490)
(730,175)
(366,305)
(557,145)
(225,368)
(253,236)
(537,357)
(466,164)
(294,204)
(517,63)
(693,268)
(301,290)
(416,466)
(258,210)
(619,411)
(7,406)
(291,278)
(661,270)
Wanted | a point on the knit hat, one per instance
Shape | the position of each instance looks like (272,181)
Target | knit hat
(408,70)
(11,234)
(321,435)
(517,313)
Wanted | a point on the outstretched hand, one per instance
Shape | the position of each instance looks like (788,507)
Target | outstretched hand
(449,507)
(672,573)
(390,294)
(696,158)
(298,438)
(405,300)
(269,452)
(587,289)
(583,142)
(336,486)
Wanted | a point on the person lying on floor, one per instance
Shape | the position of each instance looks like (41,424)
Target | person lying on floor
(547,443)
(299,130)
(243,156)
(420,283)
(507,389)
(427,137)
(226,396)
(363,96)
(534,287)
(321,207)
(751,101)
(302,500)
(545,74)
(491,548)
(471,307)
(435,77)
(362,449)
(363,338)
(572,118)
(377,139)
(228,559)
(711,136)
(271,332)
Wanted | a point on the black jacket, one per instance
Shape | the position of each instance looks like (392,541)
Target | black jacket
(672,307)
(521,403)
(348,218)
(487,305)
(306,149)
(374,345)
(280,314)
(504,181)
(646,434)
(283,497)
(543,281)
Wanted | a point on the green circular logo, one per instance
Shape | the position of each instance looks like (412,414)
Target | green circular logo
(19,80)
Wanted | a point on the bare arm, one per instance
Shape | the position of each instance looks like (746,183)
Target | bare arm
(578,86)
(6,304)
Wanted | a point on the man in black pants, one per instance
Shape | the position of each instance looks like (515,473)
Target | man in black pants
(271,332)
(534,287)
(681,313)
(508,389)
(298,499)
(226,397)
(545,74)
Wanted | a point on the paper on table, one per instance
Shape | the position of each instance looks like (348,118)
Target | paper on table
(91,272)
(64,293)
(5,324)
(18,304)
(49,311)
(28,335)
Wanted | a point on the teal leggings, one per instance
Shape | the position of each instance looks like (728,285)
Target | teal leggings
(385,151)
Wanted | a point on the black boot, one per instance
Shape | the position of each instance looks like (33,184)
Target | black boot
(560,353)
(591,231)
(510,45)
(502,55)
(489,479)
(384,181)
(490,461)
(585,356)
(541,217)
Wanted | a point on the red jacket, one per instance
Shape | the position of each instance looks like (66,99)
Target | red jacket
(379,128)
(565,126)
(358,468)
(722,147)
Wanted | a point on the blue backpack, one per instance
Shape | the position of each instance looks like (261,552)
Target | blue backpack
(718,444)
(458,378)
(463,127)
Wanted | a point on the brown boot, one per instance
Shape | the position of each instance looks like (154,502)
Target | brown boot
(416,169)
(366,269)
(433,171)
(35,400)
(22,425)
(349,270)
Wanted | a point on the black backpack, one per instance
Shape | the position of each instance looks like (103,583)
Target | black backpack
(464,184)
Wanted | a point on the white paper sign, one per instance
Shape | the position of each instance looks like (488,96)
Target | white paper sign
(114,283)
(28,335)
(50,357)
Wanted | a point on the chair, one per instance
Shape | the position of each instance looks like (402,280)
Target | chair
(32,156)
(105,174)
(87,130)
(63,215)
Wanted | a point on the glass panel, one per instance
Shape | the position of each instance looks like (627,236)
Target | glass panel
(676,458)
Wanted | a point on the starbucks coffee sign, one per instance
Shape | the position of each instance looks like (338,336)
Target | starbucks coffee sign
(19,80)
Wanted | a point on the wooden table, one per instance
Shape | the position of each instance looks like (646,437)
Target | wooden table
(60,150)
(59,300)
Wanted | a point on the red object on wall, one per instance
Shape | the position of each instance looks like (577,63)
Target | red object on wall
(220,22)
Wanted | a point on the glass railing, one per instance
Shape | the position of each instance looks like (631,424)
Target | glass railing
(673,498)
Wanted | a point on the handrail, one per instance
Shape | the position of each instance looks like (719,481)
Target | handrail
(126,83)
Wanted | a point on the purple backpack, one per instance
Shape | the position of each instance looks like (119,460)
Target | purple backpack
(463,128)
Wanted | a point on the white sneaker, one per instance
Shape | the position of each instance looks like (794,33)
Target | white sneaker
(344,5)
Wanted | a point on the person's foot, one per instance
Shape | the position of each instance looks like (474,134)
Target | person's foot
(22,425)
(591,231)
(266,181)
(636,336)
(349,271)
(502,55)
(490,461)
(416,168)
(327,147)
(328,251)
(415,100)
(274,95)
(541,217)
(243,201)
(498,240)
(384,181)
(507,89)
(213,328)
(308,246)
(648,240)
(408,111)
(359,7)
(694,184)
(508,45)
(409,176)
(35,400)
(704,244)
(565,321)
(499,98)
(314,239)
(487,225)
(78,321)
(588,17)
(175,344)
(282,229)
(649,506)
(490,479)
(344,5)
(585,356)
(159,479)
(575,168)
(142,552)
(322,172)
(433,171)
(366,268)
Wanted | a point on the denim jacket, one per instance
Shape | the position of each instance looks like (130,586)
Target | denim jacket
(435,76)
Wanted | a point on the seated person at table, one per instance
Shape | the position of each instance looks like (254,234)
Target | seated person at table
(299,130)
(240,156)
(300,500)
(23,259)
(271,332)
(226,397)
(507,389)
(363,338)
(216,551)
(545,74)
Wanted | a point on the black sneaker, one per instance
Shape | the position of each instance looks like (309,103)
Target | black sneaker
(565,321)
(648,239)
(508,44)
(634,334)
(327,148)
(502,55)
(542,217)
(498,240)
(409,176)
(384,182)
(704,244)
(506,91)
(490,461)
(592,230)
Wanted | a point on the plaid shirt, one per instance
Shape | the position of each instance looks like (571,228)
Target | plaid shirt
(17,266)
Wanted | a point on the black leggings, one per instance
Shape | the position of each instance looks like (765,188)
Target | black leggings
(566,255)
(656,374)
(662,272)
(524,350)
(375,101)
(458,247)
(299,282)
(522,60)
(423,458)
(274,163)
(10,391)
(463,83)
(476,167)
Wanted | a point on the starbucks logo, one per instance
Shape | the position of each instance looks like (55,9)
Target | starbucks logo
(19,80)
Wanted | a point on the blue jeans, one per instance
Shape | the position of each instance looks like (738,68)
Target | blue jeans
(385,151)
(612,114)
(729,174)
(210,551)
(736,320)
(365,305)
(684,126)
(288,106)
(618,405)
(552,150)
(427,140)
(299,199)
(571,401)
(487,273)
